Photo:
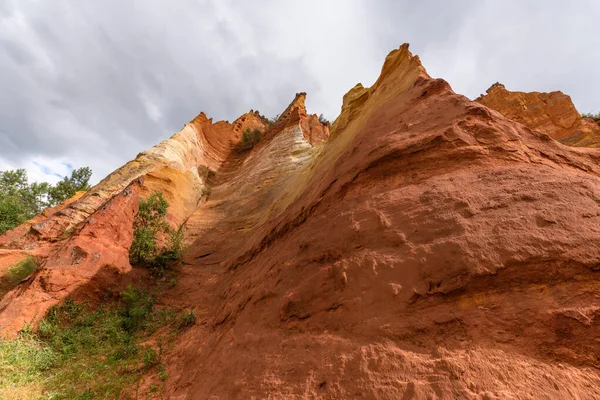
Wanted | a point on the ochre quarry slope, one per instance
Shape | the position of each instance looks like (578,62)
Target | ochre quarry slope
(83,244)
(552,113)
(428,248)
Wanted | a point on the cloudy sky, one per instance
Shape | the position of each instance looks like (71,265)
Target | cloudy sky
(92,83)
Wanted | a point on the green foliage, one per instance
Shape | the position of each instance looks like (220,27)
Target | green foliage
(65,189)
(20,201)
(78,352)
(162,373)
(149,228)
(147,225)
(273,120)
(150,357)
(175,244)
(187,319)
(205,172)
(22,270)
(17,273)
(206,191)
(138,305)
(249,140)
(143,248)
(15,199)
(151,213)
(323,120)
(13,212)
(595,117)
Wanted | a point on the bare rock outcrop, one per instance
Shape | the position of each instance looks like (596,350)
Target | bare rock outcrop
(552,113)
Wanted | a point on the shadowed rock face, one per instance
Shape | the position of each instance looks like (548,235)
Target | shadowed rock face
(552,113)
(429,248)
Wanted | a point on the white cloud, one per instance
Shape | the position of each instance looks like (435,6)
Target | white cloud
(94,83)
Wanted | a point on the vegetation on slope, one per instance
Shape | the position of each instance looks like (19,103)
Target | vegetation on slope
(20,200)
(82,353)
(250,138)
(150,229)
(16,274)
(595,117)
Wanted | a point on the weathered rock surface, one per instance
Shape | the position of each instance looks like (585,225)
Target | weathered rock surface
(84,242)
(552,113)
(428,248)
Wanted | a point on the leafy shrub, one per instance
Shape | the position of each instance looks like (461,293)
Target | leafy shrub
(175,244)
(150,357)
(205,172)
(273,120)
(138,305)
(143,249)
(187,319)
(250,138)
(163,374)
(595,117)
(150,227)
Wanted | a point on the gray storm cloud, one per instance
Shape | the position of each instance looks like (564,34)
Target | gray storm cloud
(94,83)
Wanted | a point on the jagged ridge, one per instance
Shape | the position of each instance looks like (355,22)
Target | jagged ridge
(422,251)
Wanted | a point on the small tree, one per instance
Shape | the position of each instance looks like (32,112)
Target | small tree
(273,120)
(150,227)
(250,138)
(20,201)
(66,188)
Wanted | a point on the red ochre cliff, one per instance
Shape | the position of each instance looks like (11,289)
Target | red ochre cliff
(428,247)
(552,113)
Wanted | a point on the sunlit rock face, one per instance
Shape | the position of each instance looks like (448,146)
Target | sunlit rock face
(551,113)
(422,246)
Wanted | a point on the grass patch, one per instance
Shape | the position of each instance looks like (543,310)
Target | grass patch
(82,353)
(187,320)
(22,270)
(16,274)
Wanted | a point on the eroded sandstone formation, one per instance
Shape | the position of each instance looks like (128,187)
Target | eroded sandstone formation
(552,113)
(428,248)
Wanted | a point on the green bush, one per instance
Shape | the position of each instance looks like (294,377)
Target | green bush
(273,120)
(205,172)
(163,374)
(595,117)
(138,305)
(150,227)
(250,138)
(150,357)
(187,319)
